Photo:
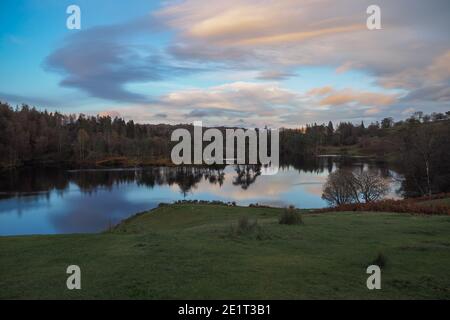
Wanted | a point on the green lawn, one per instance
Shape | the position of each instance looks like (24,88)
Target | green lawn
(192,252)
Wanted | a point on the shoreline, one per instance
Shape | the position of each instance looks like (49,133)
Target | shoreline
(351,208)
(125,163)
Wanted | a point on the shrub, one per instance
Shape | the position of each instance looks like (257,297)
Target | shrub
(245,225)
(248,228)
(435,196)
(380,260)
(400,206)
(290,216)
(257,205)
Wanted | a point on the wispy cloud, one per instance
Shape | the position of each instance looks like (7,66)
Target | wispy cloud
(102,61)
(408,60)
(331,97)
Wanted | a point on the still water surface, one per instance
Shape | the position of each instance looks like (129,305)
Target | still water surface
(54,201)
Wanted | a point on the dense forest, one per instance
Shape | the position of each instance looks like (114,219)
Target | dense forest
(419,144)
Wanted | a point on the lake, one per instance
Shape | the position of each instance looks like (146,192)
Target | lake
(55,200)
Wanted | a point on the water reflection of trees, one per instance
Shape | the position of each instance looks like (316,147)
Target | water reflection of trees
(246,175)
(186,178)
(32,181)
(328,164)
(309,164)
(42,180)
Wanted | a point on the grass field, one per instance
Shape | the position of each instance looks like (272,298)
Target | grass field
(194,252)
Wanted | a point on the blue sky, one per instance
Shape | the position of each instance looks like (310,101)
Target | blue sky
(250,62)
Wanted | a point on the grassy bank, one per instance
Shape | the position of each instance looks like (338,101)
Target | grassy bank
(351,151)
(193,251)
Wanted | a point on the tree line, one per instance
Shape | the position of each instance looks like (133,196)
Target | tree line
(29,136)
(419,144)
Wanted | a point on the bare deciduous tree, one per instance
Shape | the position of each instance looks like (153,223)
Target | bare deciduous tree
(371,186)
(339,188)
(344,186)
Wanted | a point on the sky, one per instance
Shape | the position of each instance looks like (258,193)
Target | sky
(280,63)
